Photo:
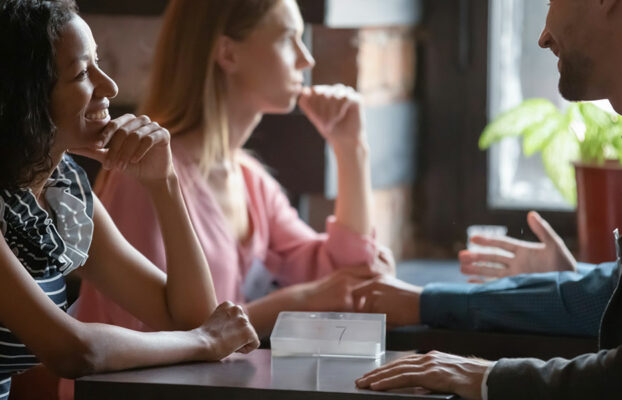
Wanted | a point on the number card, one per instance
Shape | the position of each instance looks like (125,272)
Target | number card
(328,334)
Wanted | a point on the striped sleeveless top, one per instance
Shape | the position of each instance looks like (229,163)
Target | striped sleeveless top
(49,246)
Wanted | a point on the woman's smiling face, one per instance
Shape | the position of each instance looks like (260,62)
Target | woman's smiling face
(79,99)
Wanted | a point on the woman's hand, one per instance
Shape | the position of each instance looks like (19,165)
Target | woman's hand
(551,254)
(385,261)
(334,292)
(135,145)
(391,296)
(439,372)
(331,293)
(228,330)
(336,112)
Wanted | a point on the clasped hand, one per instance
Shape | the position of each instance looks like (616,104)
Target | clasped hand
(336,112)
(228,330)
(335,291)
(136,145)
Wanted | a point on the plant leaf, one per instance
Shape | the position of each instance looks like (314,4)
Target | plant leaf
(595,116)
(616,141)
(515,121)
(537,136)
(558,157)
(600,133)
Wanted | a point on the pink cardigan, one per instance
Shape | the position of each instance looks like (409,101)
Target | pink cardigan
(283,243)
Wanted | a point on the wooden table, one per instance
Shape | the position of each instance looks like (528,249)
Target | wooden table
(263,377)
(253,376)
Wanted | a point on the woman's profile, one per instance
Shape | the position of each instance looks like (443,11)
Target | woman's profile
(219,66)
(54,100)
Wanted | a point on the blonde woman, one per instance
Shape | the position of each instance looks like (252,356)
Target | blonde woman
(219,66)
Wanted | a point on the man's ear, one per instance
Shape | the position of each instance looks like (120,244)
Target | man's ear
(226,54)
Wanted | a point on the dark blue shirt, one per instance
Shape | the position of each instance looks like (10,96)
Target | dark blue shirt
(563,303)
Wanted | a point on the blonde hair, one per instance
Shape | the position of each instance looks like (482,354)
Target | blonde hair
(187,86)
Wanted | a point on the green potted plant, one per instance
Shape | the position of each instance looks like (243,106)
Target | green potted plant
(581,150)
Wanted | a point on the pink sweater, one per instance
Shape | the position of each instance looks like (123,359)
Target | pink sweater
(283,243)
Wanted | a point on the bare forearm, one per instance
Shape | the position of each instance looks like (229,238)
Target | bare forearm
(190,291)
(264,311)
(354,203)
(73,348)
(117,348)
(89,348)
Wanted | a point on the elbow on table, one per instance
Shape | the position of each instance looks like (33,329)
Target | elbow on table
(76,358)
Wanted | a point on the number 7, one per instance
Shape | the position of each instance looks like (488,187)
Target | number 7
(343,331)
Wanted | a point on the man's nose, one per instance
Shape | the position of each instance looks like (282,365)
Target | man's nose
(545,39)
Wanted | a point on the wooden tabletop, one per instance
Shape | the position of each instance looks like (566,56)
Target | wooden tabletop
(256,375)
(265,377)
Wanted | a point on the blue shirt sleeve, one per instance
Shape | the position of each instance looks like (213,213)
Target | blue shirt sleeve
(562,303)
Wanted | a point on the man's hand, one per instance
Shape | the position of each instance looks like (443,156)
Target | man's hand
(551,254)
(391,296)
(334,292)
(439,372)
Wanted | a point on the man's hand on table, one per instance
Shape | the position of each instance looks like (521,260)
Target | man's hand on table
(550,254)
(391,296)
(439,372)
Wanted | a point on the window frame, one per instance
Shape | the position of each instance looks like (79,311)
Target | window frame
(453,184)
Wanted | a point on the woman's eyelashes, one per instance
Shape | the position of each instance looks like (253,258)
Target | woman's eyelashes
(291,34)
(85,72)
(82,75)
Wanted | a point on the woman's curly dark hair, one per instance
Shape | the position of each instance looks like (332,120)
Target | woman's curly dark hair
(28,32)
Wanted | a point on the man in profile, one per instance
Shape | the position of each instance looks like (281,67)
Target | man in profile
(586,36)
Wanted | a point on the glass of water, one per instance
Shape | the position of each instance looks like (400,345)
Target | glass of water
(489,231)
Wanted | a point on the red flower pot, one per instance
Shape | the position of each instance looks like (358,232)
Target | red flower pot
(599,209)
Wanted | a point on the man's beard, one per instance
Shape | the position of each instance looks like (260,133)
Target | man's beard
(575,74)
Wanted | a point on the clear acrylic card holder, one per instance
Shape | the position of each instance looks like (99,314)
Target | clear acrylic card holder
(329,334)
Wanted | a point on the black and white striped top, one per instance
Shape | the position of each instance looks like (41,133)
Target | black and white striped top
(49,246)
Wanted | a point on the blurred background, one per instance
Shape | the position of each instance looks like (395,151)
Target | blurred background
(433,73)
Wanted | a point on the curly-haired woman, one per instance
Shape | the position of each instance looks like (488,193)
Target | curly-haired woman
(53,100)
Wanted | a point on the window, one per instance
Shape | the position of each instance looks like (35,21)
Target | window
(519,69)
(464,72)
